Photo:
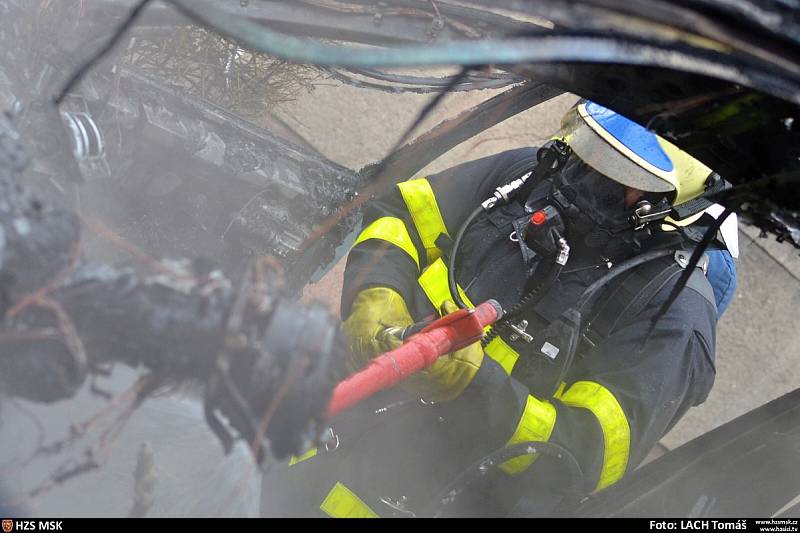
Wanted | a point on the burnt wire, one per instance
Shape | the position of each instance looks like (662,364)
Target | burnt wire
(395,83)
(96,453)
(118,34)
(474,79)
(563,45)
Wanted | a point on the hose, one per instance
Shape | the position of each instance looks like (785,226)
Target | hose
(523,180)
(618,270)
(451,267)
(479,469)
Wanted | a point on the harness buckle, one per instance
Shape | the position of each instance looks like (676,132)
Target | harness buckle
(519,332)
(644,213)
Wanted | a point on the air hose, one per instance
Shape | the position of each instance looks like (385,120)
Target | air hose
(618,270)
(482,467)
(451,267)
(547,157)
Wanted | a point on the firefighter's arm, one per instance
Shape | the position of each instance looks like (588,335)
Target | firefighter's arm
(400,241)
(637,385)
(621,399)
(377,309)
(400,230)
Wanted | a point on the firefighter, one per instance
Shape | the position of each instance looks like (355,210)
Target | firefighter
(531,229)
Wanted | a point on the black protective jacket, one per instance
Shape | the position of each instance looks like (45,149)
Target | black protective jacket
(617,399)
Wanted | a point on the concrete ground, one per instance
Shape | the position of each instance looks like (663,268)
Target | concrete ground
(758,343)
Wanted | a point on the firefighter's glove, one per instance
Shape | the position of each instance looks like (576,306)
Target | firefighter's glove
(379,308)
(372,312)
(447,378)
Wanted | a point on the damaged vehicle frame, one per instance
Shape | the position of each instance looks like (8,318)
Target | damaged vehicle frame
(721,79)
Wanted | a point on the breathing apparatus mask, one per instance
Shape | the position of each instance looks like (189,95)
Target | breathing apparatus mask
(588,210)
(576,195)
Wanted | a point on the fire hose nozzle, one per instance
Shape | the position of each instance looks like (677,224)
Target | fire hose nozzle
(434,339)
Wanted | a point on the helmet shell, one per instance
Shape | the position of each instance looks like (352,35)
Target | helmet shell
(632,155)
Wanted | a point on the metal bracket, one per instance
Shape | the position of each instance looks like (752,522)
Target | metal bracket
(644,213)
(682,257)
(519,332)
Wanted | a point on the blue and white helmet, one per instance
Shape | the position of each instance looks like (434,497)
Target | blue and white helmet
(634,156)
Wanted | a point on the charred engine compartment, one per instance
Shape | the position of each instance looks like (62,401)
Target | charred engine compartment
(66,319)
(173,170)
(235,191)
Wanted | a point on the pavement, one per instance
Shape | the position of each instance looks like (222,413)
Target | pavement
(758,342)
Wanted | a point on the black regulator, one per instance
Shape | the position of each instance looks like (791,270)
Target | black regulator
(545,233)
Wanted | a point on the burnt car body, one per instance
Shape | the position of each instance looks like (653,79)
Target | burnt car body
(720,79)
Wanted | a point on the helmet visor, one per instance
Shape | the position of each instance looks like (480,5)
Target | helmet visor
(598,197)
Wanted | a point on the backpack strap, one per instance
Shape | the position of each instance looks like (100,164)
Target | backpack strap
(635,291)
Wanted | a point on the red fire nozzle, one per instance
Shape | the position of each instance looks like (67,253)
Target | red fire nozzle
(447,334)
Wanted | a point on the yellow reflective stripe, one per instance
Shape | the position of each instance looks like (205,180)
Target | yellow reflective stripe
(424,210)
(341,502)
(501,352)
(308,455)
(539,418)
(616,431)
(434,282)
(536,424)
(560,390)
(392,230)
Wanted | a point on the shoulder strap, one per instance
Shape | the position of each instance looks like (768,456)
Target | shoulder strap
(632,295)
(700,284)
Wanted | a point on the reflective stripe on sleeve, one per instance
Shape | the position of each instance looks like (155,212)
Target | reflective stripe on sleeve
(299,459)
(536,424)
(616,431)
(501,352)
(424,210)
(392,230)
(434,282)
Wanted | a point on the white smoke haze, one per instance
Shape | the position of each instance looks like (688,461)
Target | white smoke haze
(170,182)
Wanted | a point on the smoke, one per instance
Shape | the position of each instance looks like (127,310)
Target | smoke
(190,474)
(205,150)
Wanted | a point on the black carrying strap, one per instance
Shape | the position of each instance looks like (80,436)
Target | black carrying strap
(631,296)
(701,203)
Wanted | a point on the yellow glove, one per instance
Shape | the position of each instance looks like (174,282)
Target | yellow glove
(378,308)
(372,312)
